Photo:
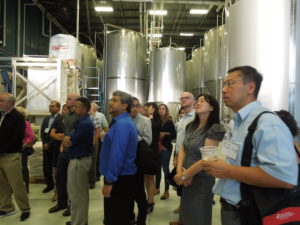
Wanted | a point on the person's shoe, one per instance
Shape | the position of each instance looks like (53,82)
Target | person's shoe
(57,208)
(24,216)
(92,186)
(164,196)
(3,213)
(150,208)
(48,188)
(132,222)
(68,223)
(67,212)
(156,192)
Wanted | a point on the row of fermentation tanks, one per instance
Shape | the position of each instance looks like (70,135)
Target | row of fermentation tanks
(166,75)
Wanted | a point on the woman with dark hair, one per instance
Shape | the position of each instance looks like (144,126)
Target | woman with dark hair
(291,123)
(151,109)
(167,134)
(197,197)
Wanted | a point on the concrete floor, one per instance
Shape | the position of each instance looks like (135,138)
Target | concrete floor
(40,203)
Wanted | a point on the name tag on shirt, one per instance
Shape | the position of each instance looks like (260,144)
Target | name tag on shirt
(230,149)
(47,130)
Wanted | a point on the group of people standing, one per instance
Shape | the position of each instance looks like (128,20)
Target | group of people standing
(71,142)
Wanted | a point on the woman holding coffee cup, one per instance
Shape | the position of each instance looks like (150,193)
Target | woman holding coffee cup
(205,130)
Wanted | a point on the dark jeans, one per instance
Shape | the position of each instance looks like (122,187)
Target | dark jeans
(61,178)
(25,171)
(141,200)
(98,159)
(165,161)
(117,208)
(49,156)
(229,214)
(93,170)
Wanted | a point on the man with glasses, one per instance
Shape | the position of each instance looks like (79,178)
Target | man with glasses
(50,146)
(143,125)
(273,163)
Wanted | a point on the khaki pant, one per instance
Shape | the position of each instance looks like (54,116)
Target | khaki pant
(11,182)
(78,189)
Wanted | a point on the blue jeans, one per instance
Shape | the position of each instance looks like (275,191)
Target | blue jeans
(165,161)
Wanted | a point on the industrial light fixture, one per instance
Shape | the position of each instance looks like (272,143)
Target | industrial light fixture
(199,11)
(104,9)
(181,48)
(186,34)
(158,12)
(155,35)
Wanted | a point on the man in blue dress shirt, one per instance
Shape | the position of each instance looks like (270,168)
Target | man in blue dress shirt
(117,161)
(273,164)
(80,143)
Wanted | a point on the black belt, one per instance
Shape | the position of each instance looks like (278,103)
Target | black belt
(228,206)
(79,157)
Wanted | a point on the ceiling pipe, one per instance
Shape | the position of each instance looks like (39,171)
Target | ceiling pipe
(77,20)
(49,16)
(141,17)
(88,17)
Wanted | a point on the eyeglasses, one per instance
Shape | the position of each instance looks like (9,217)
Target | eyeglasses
(135,105)
(184,98)
(229,83)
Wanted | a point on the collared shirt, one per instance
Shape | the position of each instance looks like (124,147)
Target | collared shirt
(51,119)
(273,149)
(118,150)
(69,121)
(101,118)
(143,125)
(181,128)
(82,137)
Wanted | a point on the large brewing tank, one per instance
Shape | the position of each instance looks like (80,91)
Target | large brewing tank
(167,72)
(196,78)
(88,65)
(188,71)
(263,37)
(214,59)
(125,63)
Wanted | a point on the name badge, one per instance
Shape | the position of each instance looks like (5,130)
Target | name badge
(230,149)
(46,130)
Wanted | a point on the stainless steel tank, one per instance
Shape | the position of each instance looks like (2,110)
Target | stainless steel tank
(196,78)
(167,72)
(88,65)
(253,41)
(187,77)
(125,63)
(214,61)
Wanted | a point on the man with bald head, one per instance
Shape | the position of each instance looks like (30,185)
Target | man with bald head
(12,130)
(187,102)
(69,122)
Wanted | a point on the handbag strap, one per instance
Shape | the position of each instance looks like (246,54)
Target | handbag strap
(248,146)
